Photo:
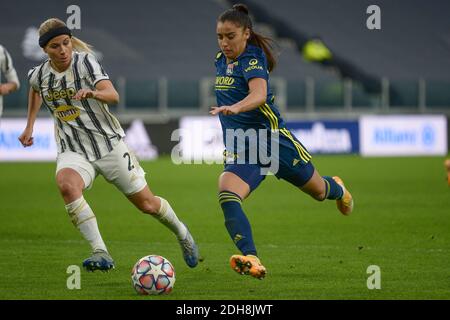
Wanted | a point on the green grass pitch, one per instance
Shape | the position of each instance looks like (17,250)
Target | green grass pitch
(401,223)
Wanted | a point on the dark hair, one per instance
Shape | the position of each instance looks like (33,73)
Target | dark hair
(239,15)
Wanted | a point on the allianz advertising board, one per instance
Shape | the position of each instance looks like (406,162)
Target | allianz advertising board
(403,135)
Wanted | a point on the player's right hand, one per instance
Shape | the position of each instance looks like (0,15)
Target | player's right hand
(225,110)
(26,138)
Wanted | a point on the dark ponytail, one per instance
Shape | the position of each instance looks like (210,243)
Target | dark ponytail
(240,7)
(239,15)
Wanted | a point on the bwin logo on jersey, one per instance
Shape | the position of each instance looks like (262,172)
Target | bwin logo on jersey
(61,94)
(67,113)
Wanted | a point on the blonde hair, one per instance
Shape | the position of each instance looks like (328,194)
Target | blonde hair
(53,23)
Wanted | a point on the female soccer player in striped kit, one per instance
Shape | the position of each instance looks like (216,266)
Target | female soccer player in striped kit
(76,90)
(12,81)
(245,102)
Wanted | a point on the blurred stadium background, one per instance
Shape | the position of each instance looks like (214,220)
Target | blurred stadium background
(380,93)
(160,57)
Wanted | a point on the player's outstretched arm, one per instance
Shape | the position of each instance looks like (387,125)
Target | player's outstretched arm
(7,88)
(34,104)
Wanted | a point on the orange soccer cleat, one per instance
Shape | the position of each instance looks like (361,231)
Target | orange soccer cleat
(447,168)
(248,265)
(345,204)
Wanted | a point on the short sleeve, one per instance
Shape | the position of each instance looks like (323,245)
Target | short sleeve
(94,69)
(218,56)
(7,67)
(4,61)
(32,78)
(254,66)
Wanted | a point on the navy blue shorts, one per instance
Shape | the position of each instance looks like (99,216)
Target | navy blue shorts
(294,164)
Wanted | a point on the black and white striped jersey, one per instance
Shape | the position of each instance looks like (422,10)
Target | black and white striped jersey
(7,69)
(87,126)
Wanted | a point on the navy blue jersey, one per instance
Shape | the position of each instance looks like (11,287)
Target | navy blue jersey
(232,86)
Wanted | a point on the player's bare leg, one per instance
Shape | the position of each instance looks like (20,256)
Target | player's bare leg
(70,184)
(159,208)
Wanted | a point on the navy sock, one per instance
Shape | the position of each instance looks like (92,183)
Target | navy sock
(236,222)
(333,190)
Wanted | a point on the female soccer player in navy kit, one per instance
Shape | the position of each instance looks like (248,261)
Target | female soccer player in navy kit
(246,104)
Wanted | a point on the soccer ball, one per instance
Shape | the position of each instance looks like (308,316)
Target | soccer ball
(153,275)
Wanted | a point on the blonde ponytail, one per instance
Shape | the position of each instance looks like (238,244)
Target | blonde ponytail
(81,46)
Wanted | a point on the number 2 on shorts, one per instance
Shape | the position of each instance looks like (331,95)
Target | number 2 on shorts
(130,165)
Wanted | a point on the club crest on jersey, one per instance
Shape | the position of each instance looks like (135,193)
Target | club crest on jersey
(230,68)
(67,113)
(60,94)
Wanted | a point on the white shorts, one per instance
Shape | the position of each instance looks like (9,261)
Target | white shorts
(119,167)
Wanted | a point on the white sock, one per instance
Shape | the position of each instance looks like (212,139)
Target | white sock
(167,217)
(84,219)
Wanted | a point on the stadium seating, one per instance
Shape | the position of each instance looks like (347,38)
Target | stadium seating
(141,94)
(145,41)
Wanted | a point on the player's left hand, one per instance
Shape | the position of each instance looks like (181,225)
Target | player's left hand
(83,94)
(225,110)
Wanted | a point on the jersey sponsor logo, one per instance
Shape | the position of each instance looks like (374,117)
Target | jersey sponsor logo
(67,113)
(253,65)
(60,94)
(224,81)
(253,68)
(229,157)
